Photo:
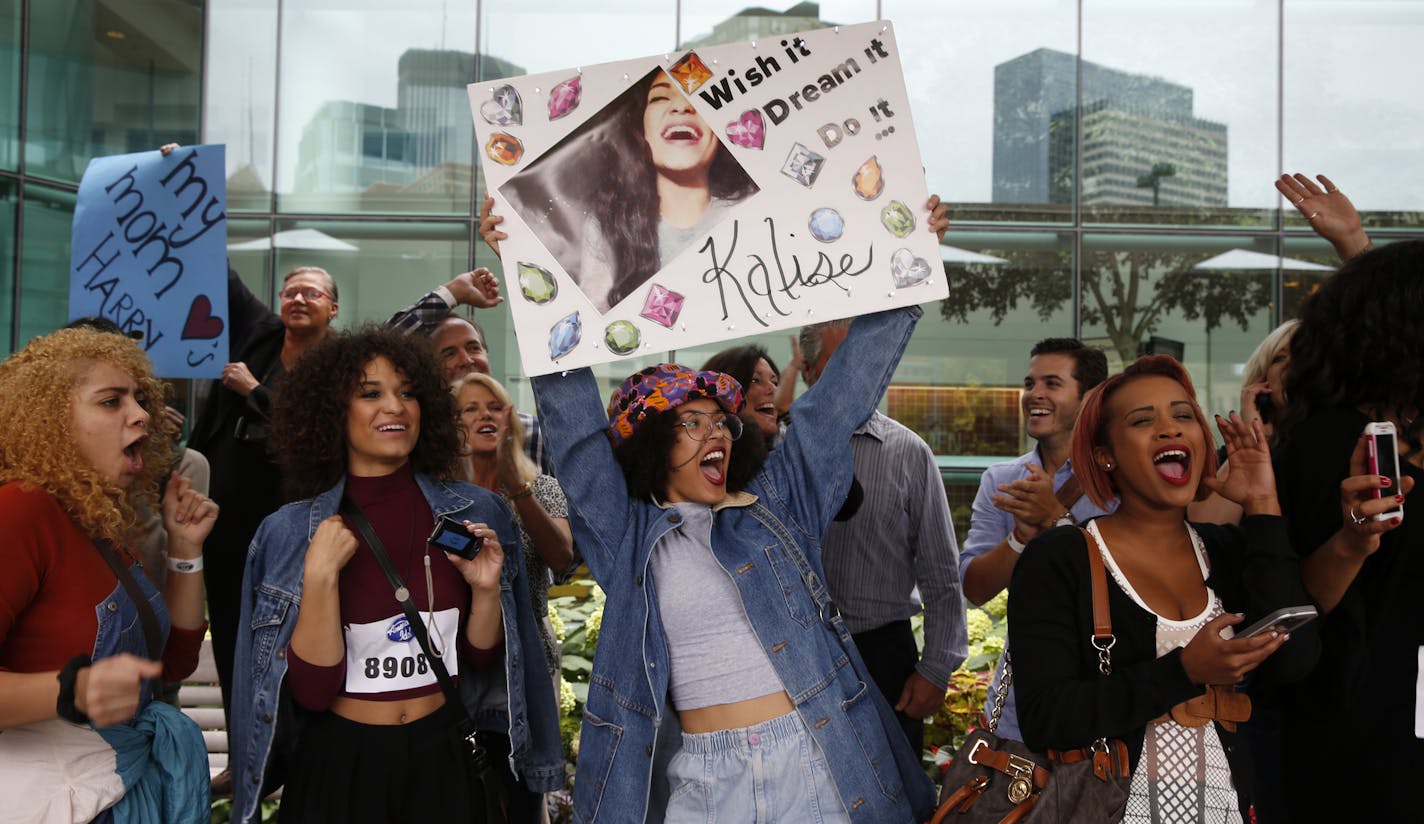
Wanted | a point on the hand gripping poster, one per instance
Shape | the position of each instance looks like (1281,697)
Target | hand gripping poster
(694,197)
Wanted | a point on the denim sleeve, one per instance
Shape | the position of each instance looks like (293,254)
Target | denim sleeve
(573,422)
(241,732)
(810,473)
(988,525)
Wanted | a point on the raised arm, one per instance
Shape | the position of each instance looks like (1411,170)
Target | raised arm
(478,288)
(816,455)
(574,423)
(1329,212)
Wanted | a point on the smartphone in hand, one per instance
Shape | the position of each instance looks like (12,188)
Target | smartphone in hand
(1285,619)
(1384,461)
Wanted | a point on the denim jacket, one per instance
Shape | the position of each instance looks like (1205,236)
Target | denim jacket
(272,594)
(798,491)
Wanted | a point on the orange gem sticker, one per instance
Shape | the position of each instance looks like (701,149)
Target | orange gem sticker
(504,148)
(690,72)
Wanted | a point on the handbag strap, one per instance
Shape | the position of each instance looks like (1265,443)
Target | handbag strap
(148,620)
(1069,493)
(464,723)
(1103,638)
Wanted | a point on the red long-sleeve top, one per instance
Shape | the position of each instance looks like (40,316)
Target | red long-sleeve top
(52,583)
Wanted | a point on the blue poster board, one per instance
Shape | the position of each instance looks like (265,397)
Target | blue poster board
(149,253)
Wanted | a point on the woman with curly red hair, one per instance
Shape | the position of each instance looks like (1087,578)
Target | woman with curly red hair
(1174,591)
(83,633)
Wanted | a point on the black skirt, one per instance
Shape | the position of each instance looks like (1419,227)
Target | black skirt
(378,774)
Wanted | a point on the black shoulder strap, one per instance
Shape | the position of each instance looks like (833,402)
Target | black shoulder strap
(412,615)
(152,635)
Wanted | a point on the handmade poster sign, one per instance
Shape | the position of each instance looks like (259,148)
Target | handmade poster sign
(694,197)
(149,252)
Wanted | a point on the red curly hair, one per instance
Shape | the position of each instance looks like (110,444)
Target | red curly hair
(1091,431)
(37,449)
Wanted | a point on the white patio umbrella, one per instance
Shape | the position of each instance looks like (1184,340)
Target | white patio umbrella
(308,239)
(954,254)
(1243,259)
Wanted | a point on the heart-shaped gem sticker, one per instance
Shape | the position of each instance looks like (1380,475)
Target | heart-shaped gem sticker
(504,108)
(907,269)
(748,130)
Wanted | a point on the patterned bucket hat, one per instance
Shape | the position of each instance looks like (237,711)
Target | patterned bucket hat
(663,387)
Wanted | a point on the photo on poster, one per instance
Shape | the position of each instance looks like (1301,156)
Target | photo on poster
(629,189)
(692,197)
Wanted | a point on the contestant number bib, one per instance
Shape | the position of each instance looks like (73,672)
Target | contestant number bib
(385,656)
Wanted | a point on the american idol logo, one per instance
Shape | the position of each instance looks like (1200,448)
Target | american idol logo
(399,630)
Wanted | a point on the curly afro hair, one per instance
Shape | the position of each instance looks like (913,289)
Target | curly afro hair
(308,437)
(37,447)
(1360,342)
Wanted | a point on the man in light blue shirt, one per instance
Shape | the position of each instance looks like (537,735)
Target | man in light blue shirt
(1020,498)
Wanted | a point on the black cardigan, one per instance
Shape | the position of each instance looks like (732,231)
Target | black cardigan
(1064,702)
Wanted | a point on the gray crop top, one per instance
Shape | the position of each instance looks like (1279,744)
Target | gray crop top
(715,656)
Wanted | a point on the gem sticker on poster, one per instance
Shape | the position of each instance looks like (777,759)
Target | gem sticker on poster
(565,97)
(504,108)
(800,153)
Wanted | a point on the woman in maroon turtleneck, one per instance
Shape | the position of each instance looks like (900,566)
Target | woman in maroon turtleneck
(369,411)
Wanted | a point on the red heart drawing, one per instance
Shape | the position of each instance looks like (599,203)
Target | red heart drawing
(201,323)
(747,130)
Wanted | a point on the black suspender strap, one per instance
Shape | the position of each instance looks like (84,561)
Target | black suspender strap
(464,723)
(152,635)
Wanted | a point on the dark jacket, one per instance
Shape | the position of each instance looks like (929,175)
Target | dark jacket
(1063,700)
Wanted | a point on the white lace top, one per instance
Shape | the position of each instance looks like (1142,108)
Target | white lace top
(1183,774)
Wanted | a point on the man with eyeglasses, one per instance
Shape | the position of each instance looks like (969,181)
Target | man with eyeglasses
(231,430)
(893,557)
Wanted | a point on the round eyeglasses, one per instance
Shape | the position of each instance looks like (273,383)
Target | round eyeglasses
(307,293)
(700,426)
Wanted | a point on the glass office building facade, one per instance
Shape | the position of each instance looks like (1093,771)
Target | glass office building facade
(1099,154)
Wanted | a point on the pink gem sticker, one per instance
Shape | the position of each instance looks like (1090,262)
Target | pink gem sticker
(565,97)
(662,306)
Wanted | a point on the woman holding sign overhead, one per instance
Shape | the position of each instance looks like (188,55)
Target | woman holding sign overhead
(725,630)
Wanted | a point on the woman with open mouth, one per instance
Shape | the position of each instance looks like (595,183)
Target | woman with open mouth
(723,626)
(753,368)
(494,460)
(1175,590)
(85,637)
(385,605)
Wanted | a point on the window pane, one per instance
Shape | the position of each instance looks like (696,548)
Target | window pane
(109,77)
(249,253)
(9,199)
(1345,111)
(987,80)
(373,114)
(238,96)
(730,21)
(532,36)
(1167,294)
(9,84)
(1169,135)
(44,285)
(378,267)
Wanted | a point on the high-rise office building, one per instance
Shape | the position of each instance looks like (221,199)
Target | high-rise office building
(1142,143)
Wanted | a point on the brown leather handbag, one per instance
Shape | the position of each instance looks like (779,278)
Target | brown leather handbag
(996,780)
